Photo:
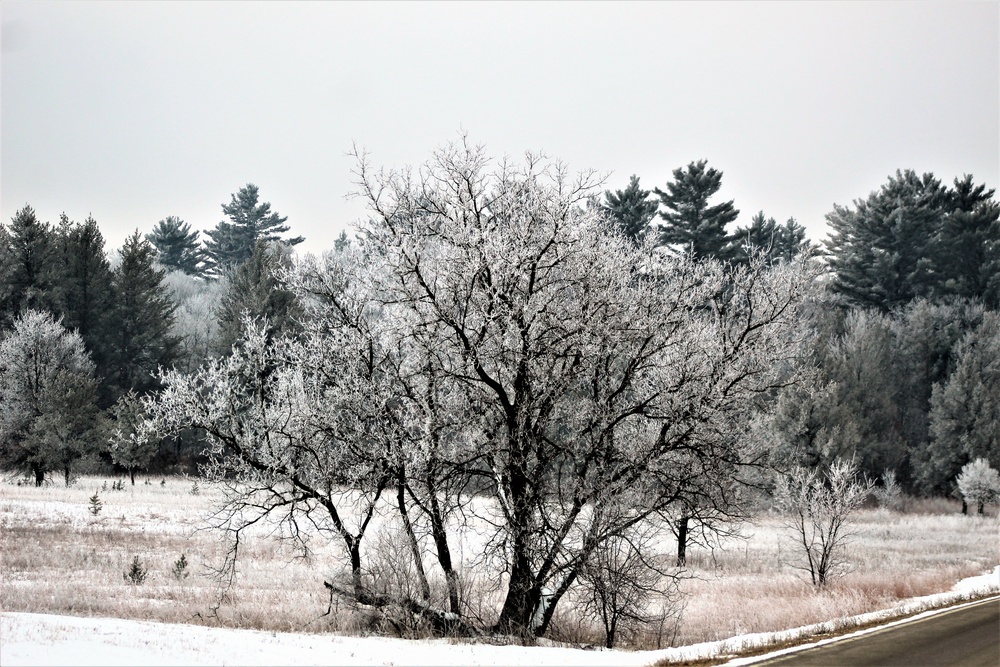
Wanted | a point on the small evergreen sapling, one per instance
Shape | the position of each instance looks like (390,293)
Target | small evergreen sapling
(95,504)
(180,569)
(136,573)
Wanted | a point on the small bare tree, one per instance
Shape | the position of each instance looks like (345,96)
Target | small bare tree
(818,510)
(889,494)
(624,579)
(979,483)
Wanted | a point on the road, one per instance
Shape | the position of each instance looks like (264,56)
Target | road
(965,637)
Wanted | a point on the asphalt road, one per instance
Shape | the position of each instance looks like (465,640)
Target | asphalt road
(964,637)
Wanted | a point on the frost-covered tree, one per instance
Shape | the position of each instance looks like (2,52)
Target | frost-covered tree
(979,483)
(48,411)
(489,338)
(196,324)
(818,509)
(132,446)
(606,378)
(250,220)
(690,224)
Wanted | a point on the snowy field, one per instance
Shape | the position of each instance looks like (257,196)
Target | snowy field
(42,639)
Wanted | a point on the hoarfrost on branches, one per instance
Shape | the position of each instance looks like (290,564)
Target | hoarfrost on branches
(489,335)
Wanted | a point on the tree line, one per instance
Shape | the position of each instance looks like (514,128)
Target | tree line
(85,331)
(592,366)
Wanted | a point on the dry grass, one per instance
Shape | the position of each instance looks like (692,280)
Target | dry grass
(59,558)
(753,585)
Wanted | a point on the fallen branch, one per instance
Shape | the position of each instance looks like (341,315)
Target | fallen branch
(444,623)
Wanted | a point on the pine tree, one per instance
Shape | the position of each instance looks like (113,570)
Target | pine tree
(233,242)
(780,243)
(631,209)
(177,247)
(690,224)
(6,275)
(883,251)
(28,276)
(968,258)
(81,285)
(143,319)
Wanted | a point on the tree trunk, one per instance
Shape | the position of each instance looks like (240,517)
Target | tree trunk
(131,474)
(965,507)
(418,562)
(609,634)
(355,550)
(440,536)
(553,600)
(980,508)
(66,474)
(39,475)
(682,538)
(522,594)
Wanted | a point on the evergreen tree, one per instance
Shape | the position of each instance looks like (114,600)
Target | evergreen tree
(342,242)
(965,411)
(883,251)
(177,247)
(28,276)
(141,336)
(255,291)
(781,243)
(232,243)
(631,209)
(968,259)
(690,224)
(926,335)
(81,285)
(6,275)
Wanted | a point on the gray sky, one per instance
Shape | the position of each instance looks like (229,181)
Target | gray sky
(135,111)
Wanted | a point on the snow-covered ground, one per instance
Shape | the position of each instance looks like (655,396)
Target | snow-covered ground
(41,639)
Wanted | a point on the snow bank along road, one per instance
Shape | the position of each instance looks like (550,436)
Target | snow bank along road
(967,635)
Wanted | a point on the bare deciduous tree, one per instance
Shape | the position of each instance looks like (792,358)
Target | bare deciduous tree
(492,349)
(818,508)
(608,380)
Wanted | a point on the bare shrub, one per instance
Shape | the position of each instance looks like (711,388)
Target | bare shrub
(818,511)
(889,495)
(626,587)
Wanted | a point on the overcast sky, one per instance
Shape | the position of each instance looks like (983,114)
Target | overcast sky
(135,111)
